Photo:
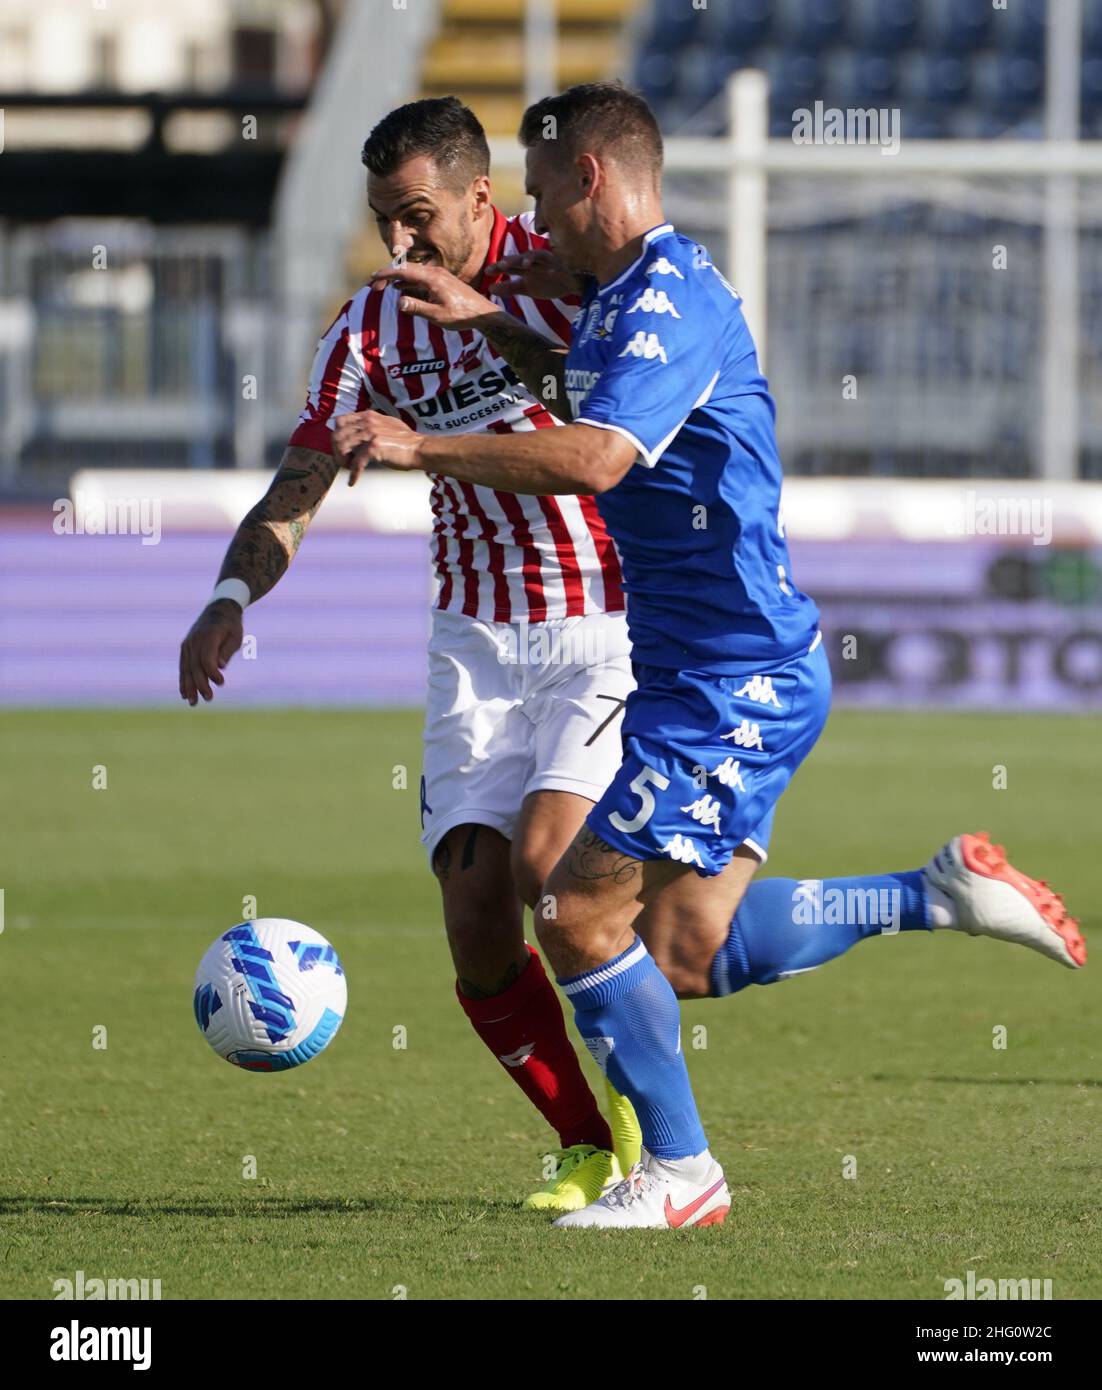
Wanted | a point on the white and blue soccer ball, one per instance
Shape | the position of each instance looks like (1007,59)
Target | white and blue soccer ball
(270,994)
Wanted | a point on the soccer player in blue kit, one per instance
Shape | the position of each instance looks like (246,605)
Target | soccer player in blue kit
(672,426)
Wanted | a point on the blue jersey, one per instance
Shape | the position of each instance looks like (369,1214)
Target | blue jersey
(663,356)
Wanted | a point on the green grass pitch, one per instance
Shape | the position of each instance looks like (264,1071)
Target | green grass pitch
(383,1171)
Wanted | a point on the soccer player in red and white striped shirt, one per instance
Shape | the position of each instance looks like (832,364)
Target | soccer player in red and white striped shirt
(529,655)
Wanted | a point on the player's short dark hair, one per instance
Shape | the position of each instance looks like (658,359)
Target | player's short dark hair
(438,126)
(598,116)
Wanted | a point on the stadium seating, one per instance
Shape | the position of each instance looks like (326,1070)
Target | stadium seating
(953,67)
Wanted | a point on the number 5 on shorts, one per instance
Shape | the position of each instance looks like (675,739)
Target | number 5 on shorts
(646,796)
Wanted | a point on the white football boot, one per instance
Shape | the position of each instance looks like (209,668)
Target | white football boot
(989,897)
(659,1194)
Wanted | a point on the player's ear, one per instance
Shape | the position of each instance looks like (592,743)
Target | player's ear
(589,174)
(481,195)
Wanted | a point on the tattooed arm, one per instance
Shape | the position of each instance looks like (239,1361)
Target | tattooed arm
(259,554)
(540,363)
(266,541)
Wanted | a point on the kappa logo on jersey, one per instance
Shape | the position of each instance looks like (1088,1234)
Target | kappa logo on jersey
(682,849)
(663,267)
(706,810)
(647,346)
(760,690)
(747,735)
(653,301)
(729,774)
(401,369)
(519,1057)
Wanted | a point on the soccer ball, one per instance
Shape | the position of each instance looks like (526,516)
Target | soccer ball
(270,994)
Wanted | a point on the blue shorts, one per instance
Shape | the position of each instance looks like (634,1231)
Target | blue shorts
(706,758)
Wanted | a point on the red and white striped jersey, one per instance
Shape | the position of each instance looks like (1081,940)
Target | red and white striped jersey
(497,556)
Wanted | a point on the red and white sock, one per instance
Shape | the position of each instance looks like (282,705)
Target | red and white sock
(525,1031)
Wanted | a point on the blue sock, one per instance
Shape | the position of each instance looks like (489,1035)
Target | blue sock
(630,1020)
(783,926)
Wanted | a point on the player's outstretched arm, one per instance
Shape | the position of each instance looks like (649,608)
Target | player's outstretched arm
(451,303)
(577,459)
(258,556)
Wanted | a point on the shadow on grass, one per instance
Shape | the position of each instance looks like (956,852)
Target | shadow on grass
(266,1206)
(989,1080)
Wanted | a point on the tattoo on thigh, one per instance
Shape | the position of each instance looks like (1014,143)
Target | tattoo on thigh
(472,991)
(589,857)
(468,848)
(442,859)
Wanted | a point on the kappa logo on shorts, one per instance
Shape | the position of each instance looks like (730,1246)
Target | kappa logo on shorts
(729,774)
(519,1057)
(759,689)
(706,810)
(747,735)
(682,849)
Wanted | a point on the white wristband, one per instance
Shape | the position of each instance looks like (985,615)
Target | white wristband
(236,589)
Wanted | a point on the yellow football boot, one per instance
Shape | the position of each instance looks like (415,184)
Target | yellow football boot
(582,1174)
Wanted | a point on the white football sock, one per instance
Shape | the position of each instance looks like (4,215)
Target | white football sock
(941,908)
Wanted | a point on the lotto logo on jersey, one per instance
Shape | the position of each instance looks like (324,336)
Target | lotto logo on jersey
(663,267)
(653,301)
(401,369)
(647,346)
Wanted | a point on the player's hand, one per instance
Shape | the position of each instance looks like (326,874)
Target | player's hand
(448,301)
(214,637)
(367,437)
(537,274)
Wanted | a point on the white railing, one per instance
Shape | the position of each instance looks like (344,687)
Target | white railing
(747,158)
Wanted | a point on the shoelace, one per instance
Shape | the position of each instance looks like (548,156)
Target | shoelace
(566,1160)
(631,1189)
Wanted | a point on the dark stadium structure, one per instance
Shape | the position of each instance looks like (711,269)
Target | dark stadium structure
(954,67)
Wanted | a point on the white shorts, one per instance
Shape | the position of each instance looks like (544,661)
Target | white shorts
(515,708)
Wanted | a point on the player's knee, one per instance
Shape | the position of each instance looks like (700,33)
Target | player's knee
(689,979)
(530,872)
(477,936)
(570,931)
(482,913)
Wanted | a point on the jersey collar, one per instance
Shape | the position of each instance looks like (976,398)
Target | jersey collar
(497,242)
(649,238)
